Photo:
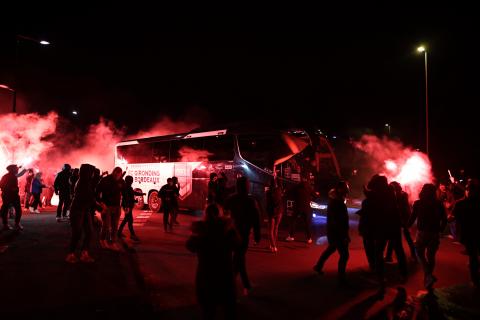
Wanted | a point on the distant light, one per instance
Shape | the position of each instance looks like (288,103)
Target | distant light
(421,49)
(314,215)
(3,86)
(334,137)
(45,43)
(74,112)
(387,125)
(317,206)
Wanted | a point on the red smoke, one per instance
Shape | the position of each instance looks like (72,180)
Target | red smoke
(412,169)
(41,142)
(193,155)
(23,138)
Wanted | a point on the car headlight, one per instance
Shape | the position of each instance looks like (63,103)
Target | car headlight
(317,206)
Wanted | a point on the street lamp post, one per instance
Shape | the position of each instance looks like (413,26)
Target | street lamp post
(424,50)
(389,129)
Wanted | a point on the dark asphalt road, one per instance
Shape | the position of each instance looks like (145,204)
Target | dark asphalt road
(155,278)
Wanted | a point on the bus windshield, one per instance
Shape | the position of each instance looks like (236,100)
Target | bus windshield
(263,150)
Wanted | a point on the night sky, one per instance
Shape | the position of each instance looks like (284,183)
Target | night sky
(347,72)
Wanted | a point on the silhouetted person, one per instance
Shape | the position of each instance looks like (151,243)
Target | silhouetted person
(28,187)
(128,202)
(275,210)
(222,192)
(365,227)
(80,215)
(337,230)
(10,196)
(176,208)
(303,196)
(405,212)
(109,193)
(243,209)
(214,240)
(168,195)
(467,215)
(383,224)
(62,189)
(431,220)
(212,188)
(73,180)
(37,186)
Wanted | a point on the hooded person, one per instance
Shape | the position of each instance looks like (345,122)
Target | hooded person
(10,196)
(405,212)
(28,187)
(467,215)
(61,186)
(37,186)
(244,211)
(337,230)
(109,195)
(275,209)
(80,215)
(213,240)
(128,202)
(431,218)
(382,223)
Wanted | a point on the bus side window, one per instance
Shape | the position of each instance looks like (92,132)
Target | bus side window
(220,148)
(161,151)
(186,150)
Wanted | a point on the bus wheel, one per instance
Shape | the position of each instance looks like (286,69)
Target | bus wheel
(140,203)
(154,202)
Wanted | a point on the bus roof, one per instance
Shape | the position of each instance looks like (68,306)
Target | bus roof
(178,136)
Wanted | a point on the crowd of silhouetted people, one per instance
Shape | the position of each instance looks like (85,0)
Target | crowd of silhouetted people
(92,202)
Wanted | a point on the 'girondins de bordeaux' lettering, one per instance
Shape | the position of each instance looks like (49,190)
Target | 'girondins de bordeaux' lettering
(145,175)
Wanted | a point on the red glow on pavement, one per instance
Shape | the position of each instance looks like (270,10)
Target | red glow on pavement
(412,169)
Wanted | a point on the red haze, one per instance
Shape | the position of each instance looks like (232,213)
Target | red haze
(412,169)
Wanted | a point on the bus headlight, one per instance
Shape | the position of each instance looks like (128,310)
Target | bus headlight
(318,206)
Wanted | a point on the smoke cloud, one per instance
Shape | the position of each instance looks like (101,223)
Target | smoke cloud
(412,169)
(46,142)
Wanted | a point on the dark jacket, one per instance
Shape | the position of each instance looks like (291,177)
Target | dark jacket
(37,186)
(274,199)
(128,196)
(379,216)
(245,214)
(9,186)
(304,194)
(337,219)
(430,215)
(212,191)
(28,183)
(403,208)
(168,194)
(109,191)
(62,183)
(467,216)
(84,193)
(72,182)
(214,242)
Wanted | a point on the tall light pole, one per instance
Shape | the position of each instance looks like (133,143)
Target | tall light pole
(424,50)
(19,38)
(389,128)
